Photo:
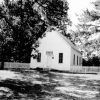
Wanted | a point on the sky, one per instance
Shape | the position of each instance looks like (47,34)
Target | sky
(77,7)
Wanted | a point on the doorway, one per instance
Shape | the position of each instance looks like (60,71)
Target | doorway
(49,60)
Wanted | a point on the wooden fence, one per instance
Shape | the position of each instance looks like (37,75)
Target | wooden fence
(9,65)
(77,69)
(85,69)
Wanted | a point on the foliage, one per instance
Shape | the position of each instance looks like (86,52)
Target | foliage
(94,61)
(23,22)
(87,34)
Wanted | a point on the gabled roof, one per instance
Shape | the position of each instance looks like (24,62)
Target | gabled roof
(64,38)
(69,42)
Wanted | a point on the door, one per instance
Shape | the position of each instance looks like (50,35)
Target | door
(49,59)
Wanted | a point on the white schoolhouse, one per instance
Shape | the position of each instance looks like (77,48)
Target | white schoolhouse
(55,51)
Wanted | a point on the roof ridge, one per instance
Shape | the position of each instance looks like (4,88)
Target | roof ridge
(67,40)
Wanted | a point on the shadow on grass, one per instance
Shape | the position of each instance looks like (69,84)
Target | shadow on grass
(21,87)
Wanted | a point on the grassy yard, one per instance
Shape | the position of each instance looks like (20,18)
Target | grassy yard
(38,85)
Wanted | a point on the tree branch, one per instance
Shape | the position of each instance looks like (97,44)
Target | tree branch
(8,22)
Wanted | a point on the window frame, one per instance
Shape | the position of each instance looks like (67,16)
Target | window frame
(77,60)
(39,57)
(60,58)
(74,60)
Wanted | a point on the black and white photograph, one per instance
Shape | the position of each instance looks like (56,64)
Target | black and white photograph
(49,49)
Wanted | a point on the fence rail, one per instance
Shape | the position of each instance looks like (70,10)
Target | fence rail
(9,65)
(85,69)
(77,69)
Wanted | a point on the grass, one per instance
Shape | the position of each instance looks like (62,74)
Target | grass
(46,85)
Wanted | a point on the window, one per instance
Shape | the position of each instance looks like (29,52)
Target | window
(74,60)
(60,57)
(39,57)
(77,60)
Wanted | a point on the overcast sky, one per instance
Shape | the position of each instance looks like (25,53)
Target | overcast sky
(77,7)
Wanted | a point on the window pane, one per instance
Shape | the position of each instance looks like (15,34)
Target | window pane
(60,57)
(77,60)
(74,60)
(39,57)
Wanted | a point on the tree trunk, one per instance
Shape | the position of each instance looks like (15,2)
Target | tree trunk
(2,65)
(2,59)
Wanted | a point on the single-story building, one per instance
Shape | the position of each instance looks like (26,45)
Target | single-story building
(57,52)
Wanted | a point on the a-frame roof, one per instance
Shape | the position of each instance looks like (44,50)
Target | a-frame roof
(69,42)
(65,38)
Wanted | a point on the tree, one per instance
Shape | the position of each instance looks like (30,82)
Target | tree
(25,21)
(87,34)
(18,22)
(93,61)
(5,43)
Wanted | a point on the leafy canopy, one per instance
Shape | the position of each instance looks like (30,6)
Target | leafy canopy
(24,21)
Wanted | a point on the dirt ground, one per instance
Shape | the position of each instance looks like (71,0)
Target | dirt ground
(35,85)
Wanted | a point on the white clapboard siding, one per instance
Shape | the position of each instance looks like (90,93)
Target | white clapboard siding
(56,43)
